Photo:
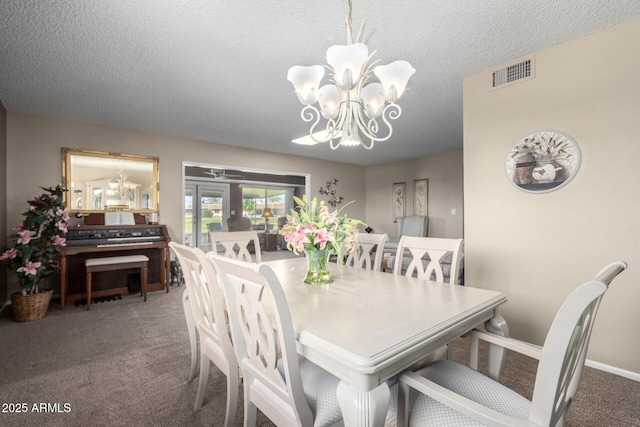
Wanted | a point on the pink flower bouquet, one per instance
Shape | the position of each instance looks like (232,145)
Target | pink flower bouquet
(311,226)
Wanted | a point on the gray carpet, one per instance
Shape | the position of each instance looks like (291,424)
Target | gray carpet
(125,363)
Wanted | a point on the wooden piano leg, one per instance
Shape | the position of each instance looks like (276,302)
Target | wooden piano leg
(88,288)
(143,280)
(165,274)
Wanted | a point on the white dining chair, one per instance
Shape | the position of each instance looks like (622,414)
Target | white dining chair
(365,245)
(191,330)
(206,300)
(452,394)
(430,258)
(236,244)
(287,388)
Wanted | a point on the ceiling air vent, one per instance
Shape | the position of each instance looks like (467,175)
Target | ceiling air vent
(513,73)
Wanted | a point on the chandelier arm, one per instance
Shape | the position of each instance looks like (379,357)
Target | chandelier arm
(391,111)
(310,113)
(357,115)
(368,147)
(370,130)
(342,115)
(373,127)
(330,129)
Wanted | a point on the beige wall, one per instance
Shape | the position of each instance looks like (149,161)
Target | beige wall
(34,143)
(536,248)
(444,173)
(3,198)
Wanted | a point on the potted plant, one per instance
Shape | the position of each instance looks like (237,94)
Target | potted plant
(33,257)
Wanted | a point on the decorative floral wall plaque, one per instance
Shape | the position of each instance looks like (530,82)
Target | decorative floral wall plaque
(543,161)
(399,191)
(420,197)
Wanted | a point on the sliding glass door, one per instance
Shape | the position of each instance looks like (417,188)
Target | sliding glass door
(255,198)
(206,206)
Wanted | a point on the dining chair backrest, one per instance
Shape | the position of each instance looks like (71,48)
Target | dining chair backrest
(262,333)
(456,394)
(204,293)
(208,308)
(565,348)
(236,244)
(365,244)
(438,252)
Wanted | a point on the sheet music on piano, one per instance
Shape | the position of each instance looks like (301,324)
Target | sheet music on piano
(119,218)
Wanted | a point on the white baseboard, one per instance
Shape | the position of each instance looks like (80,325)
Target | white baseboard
(613,370)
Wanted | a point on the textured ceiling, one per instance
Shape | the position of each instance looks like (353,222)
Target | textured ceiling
(216,70)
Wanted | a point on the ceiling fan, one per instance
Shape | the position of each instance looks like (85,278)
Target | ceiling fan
(221,174)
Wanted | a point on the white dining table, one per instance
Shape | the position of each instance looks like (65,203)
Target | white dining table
(366,327)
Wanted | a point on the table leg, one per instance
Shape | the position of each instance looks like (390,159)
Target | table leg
(496,325)
(165,273)
(363,409)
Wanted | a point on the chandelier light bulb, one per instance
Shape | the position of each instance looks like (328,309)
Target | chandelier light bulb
(373,99)
(306,80)
(347,61)
(329,100)
(394,78)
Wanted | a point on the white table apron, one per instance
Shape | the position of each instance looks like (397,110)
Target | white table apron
(368,326)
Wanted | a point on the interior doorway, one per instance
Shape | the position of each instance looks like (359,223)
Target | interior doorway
(214,192)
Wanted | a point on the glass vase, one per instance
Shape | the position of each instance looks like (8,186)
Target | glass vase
(318,267)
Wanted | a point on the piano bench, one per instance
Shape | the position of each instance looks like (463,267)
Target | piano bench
(95,265)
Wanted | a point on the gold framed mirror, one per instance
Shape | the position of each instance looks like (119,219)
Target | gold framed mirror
(99,181)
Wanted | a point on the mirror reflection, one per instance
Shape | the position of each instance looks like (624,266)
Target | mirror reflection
(101,181)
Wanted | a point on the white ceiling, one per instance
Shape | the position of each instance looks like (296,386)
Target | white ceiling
(216,70)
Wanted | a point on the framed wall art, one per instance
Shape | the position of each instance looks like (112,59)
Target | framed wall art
(543,161)
(399,190)
(421,197)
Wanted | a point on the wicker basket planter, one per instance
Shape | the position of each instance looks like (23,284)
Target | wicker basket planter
(30,307)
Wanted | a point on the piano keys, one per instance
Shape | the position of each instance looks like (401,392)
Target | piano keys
(95,241)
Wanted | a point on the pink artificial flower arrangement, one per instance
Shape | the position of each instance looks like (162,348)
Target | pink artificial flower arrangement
(311,226)
(40,238)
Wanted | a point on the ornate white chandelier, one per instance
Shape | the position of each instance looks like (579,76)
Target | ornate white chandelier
(351,104)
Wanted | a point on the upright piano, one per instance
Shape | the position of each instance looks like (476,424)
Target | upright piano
(96,241)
